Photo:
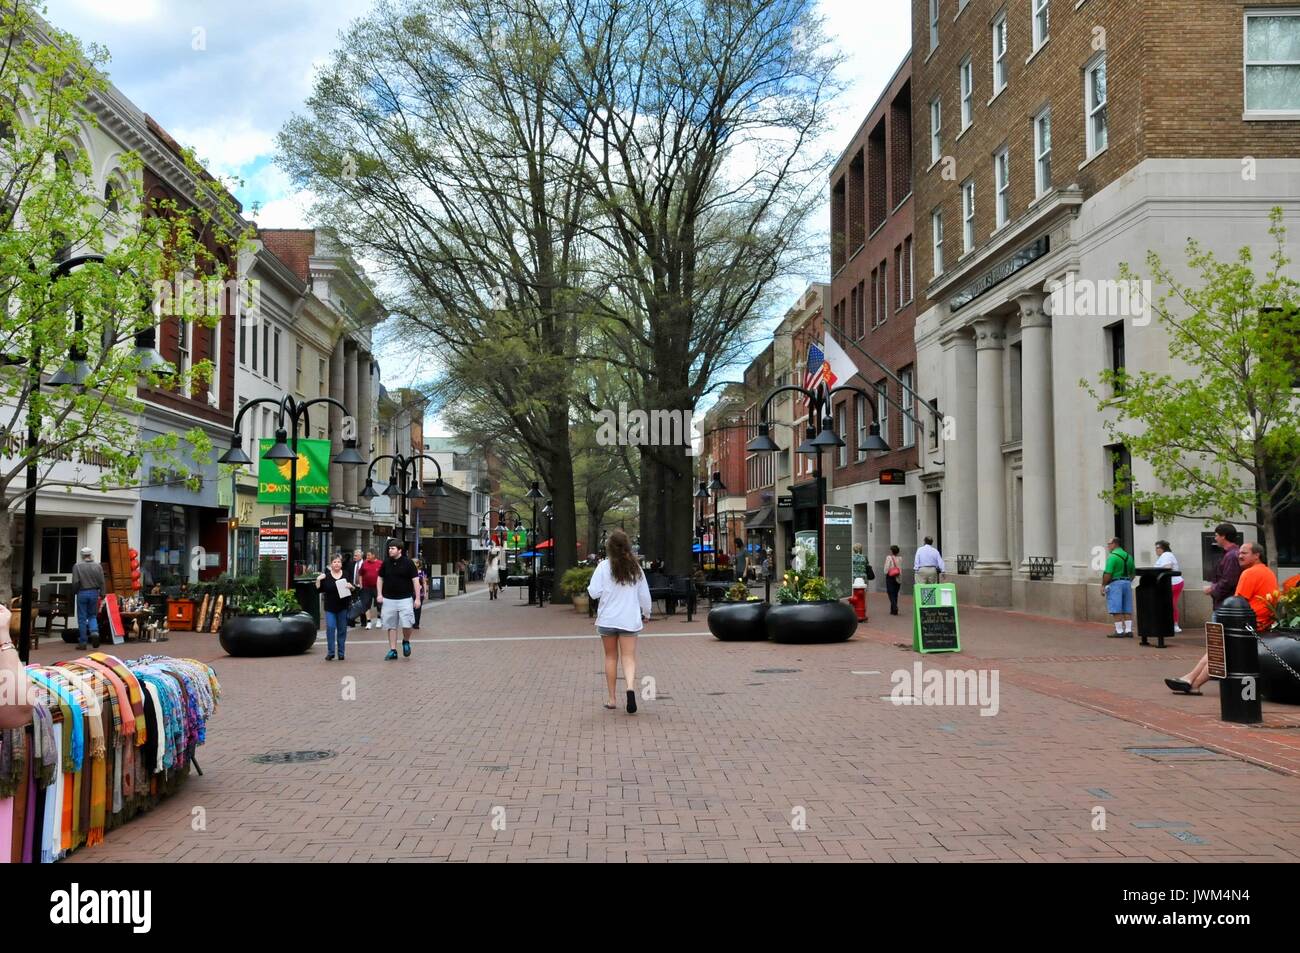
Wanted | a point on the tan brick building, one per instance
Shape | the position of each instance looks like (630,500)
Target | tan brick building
(1054,140)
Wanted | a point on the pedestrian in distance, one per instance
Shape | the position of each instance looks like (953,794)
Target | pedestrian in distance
(928,563)
(1117,588)
(893,577)
(492,576)
(1223,582)
(421,589)
(1255,584)
(398,597)
(1165,559)
(624,608)
(336,594)
(369,576)
(88,581)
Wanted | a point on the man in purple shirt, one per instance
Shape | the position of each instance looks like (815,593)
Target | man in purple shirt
(1224,582)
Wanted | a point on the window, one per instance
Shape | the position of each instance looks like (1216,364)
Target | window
(861,316)
(841,427)
(1041,21)
(967,92)
(909,256)
(884,291)
(297,368)
(266,349)
(999,53)
(860,409)
(909,425)
(275,365)
(936,229)
(882,409)
(936,142)
(58,549)
(254,337)
(1043,153)
(214,355)
(1115,344)
(1273,63)
(898,276)
(243,344)
(1015,358)
(853,304)
(184,344)
(324,376)
(968,217)
(934,23)
(1094,98)
(1002,179)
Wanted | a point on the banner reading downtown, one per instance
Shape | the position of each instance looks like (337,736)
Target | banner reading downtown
(313,474)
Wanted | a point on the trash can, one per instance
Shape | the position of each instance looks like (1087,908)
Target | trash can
(1155,604)
(304,587)
(1239,692)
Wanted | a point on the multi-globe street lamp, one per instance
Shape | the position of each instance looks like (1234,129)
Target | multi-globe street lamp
(718,488)
(285,449)
(701,495)
(403,484)
(535,494)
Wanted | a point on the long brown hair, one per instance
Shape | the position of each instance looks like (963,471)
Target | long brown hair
(622,564)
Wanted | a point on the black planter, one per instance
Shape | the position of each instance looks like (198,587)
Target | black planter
(265,635)
(738,621)
(804,623)
(1276,684)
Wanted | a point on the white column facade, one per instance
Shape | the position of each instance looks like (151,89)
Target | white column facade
(990,345)
(1038,444)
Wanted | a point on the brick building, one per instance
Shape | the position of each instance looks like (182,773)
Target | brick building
(872,314)
(760,468)
(723,452)
(1055,140)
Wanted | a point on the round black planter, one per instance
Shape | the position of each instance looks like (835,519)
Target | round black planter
(1276,684)
(804,623)
(738,621)
(266,635)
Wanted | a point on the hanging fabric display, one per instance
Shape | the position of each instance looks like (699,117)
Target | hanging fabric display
(108,739)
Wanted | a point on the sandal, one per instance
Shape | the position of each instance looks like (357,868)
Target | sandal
(1180,686)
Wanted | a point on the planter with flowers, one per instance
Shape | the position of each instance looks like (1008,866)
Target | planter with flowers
(1281,644)
(268,623)
(574,584)
(809,611)
(740,617)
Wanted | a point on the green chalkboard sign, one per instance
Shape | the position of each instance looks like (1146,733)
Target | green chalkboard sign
(935,627)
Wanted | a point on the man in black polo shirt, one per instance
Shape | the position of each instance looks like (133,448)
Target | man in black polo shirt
(397,597)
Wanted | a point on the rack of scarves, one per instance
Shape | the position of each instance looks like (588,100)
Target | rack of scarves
(108,739)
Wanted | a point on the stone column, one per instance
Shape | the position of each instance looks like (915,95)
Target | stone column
(960,504)
(1038,443)
(990,344)
(350,475)
(336,420)
(363,411)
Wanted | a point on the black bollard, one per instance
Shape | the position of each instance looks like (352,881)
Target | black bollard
(1239,692)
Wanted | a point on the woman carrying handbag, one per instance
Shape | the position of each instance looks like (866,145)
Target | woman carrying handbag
(893,580)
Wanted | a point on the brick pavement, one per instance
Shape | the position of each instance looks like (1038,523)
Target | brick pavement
(498,715)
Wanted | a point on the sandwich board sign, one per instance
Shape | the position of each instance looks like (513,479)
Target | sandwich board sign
(934,627)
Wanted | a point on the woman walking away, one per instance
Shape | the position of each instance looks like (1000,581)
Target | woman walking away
(1165,559)
(336,593)
(493,574)
(893,575)
(421,589)
(624,595)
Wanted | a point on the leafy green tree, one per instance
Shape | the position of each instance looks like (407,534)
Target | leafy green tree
(97,318)
(1221,434)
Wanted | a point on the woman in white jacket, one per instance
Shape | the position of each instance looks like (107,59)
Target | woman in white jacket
(620,585)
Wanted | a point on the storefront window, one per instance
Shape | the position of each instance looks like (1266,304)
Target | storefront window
(164,539)
(58,549)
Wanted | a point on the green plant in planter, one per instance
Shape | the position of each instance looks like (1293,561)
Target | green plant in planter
(1285,606)
(279,602)
(739,593)
(805,586)
(574,582)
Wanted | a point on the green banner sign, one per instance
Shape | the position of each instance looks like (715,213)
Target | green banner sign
(313,474)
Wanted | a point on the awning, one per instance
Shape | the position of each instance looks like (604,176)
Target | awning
(760,518)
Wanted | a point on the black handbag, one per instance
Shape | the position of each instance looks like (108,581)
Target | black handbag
(871,573)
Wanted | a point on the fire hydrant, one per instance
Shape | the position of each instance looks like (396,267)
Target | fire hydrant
(859,599)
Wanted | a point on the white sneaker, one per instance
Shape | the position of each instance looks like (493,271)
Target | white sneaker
(1177,629)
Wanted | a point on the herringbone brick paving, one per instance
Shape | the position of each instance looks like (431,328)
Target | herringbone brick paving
(505,722)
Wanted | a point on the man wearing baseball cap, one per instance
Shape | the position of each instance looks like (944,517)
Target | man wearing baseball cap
(88,580)
(397,597)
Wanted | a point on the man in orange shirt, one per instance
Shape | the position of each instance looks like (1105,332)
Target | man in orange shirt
(1254,585)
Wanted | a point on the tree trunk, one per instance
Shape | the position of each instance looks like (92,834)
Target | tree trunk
(6,552)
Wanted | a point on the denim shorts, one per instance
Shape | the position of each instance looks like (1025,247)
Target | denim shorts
(1119,597)
(610,630)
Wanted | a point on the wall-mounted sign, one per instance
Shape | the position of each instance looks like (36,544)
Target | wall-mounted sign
(893,477)
(999,273)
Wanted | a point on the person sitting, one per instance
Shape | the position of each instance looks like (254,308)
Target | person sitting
(1255,584)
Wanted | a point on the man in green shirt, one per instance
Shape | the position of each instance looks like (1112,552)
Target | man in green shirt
(1117,587)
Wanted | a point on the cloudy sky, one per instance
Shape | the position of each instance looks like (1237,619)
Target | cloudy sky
(223,75)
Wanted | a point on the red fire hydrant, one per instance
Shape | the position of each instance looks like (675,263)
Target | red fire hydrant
(859,599)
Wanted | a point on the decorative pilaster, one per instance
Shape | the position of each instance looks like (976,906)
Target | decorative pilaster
(1038,440)
(990,345)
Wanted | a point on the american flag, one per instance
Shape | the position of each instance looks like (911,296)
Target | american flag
(818,371)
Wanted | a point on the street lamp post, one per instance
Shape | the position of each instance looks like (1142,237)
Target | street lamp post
(535,494)
(701,494)
(549,512)
(297,412)
(405,488)
(819,435)
(528,533)
(718,488)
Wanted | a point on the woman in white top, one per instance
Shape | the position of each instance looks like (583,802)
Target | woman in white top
(492,576)
(1165,559)
(624,595)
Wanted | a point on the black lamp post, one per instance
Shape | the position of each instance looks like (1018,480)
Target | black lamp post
(297,412)
(403,485)
(549,512)
(718,488)
(502,529)
(535,494)
(701,494)
(819,435)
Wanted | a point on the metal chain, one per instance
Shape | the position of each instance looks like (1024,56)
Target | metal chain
(1280,660)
